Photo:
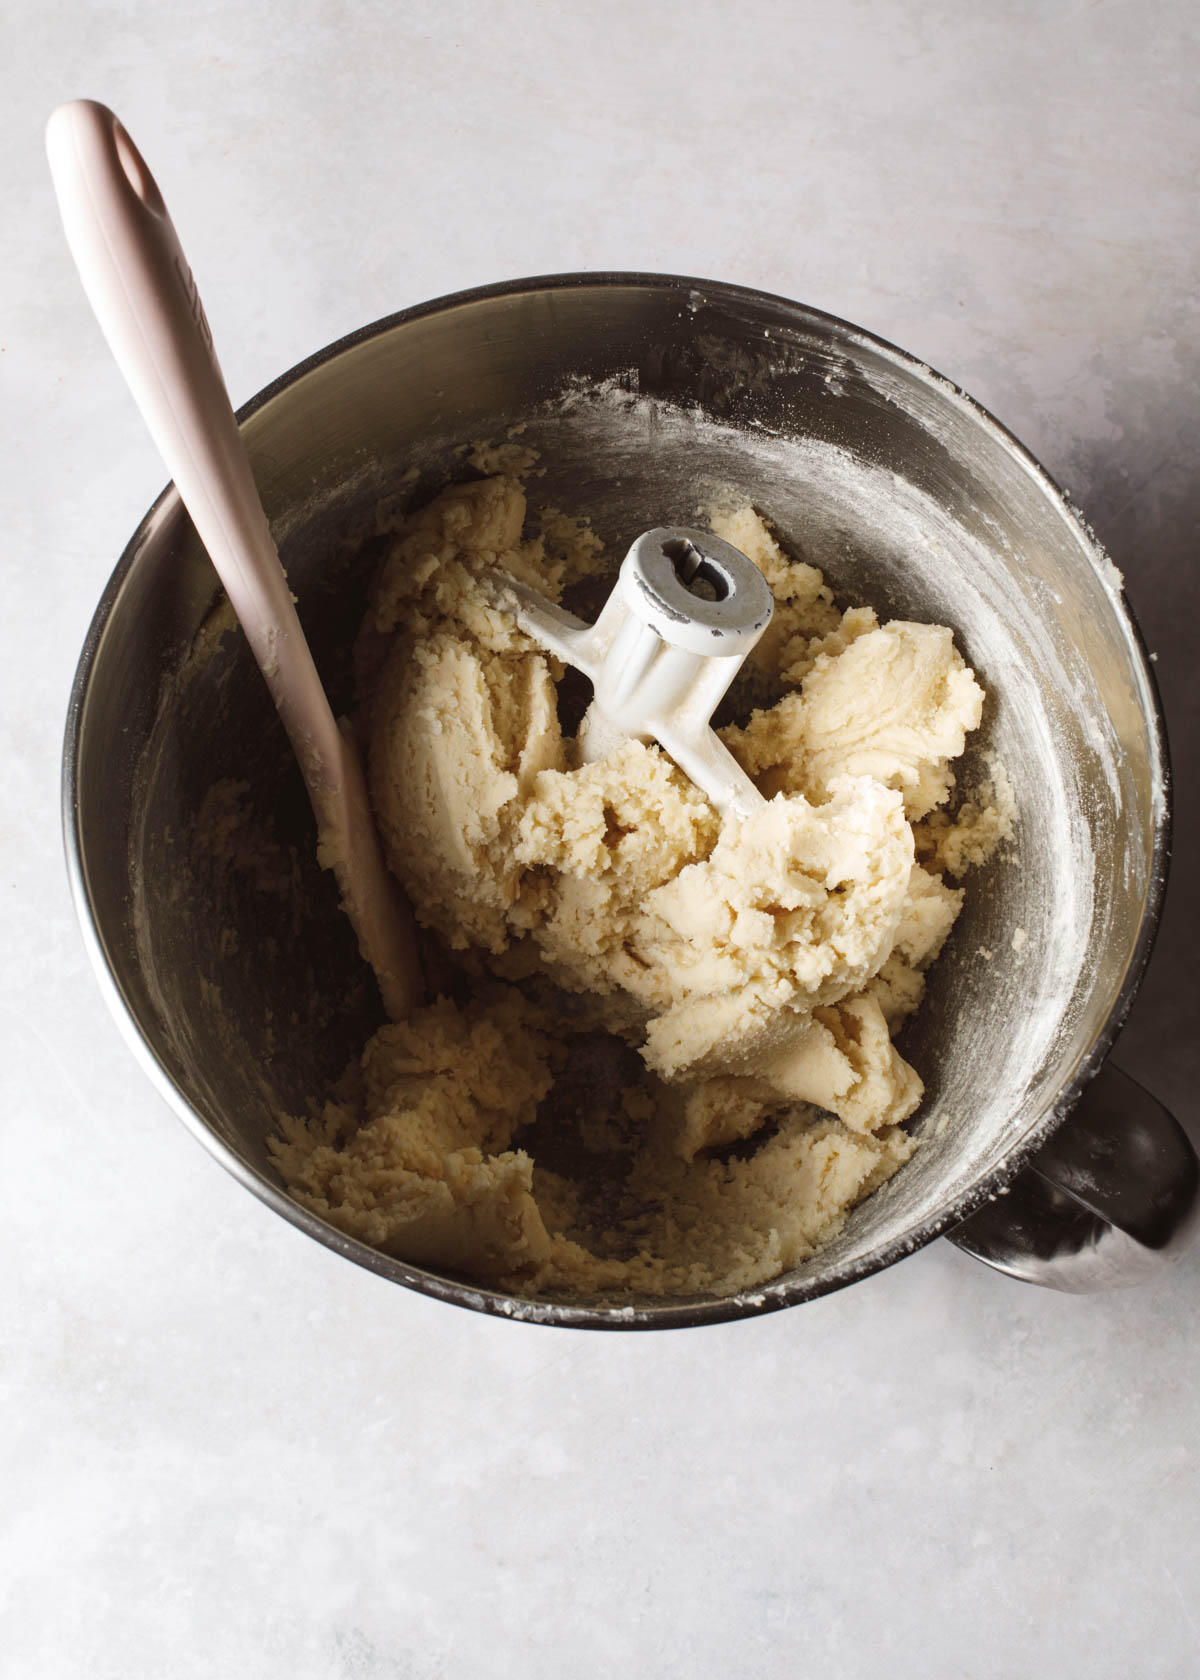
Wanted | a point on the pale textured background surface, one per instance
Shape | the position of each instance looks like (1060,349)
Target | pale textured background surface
(226,1451)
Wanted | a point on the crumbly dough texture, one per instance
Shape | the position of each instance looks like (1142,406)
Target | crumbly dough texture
(758,968)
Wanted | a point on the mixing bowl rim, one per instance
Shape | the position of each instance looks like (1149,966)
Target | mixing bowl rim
(770,1297)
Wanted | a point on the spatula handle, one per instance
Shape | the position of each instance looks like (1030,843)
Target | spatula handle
(138,281)
(140,285)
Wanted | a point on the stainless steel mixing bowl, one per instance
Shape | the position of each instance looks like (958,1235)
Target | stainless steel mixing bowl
(646,395)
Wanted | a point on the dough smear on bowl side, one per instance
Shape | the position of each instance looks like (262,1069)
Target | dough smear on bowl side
(665,1064)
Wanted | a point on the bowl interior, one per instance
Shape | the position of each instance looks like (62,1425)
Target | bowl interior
(647,399)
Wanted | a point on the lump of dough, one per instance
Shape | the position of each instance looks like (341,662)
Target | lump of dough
(929,911)
(796,892)
(804,606)
(457,739)
(419,1164)
(794,900)
(738,1223)
(599,840)
(796,906)
(896,705)
(840,1058)
(977,830)
(458,707)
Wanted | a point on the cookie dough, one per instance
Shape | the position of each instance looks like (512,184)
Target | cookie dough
(730,989)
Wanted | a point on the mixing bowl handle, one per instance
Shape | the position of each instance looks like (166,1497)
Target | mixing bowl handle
(1112,1197)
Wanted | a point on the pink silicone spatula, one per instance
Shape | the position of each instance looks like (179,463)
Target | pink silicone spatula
(138,282)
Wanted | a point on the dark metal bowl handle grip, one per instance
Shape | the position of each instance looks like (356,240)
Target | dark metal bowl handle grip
(1112,1197)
